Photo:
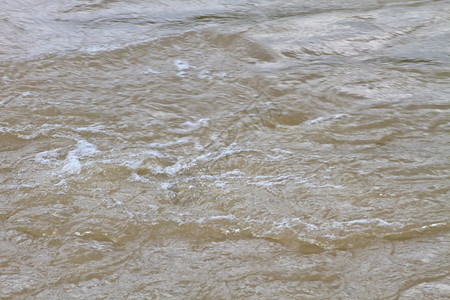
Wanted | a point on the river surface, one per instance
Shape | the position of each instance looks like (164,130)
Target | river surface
(224,149)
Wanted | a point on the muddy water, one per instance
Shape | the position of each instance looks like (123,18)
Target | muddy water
(224,149)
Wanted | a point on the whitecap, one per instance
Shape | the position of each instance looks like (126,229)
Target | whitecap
(227,217)
(46,157)
(322,119)
(95,128)
(72,163)
(182,65)
(189,126)
(136,177)
(166,185)
(205,74)
(150,71)
(181,74)
(376,221)
(86,149)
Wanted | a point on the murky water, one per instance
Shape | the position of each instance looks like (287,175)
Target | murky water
(224,149)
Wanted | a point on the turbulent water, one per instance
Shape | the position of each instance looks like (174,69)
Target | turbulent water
(224,149)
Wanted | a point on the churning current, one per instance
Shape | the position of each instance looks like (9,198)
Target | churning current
(224,149)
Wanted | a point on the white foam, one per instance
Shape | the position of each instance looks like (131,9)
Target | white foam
(227,217)
(180,141)
(189,126)
(321,119)
(182,65)
(95,128)
(269,181)
(101,48)
(376,221)
(153,207)
(287,223)
(222,74)
(136,177)
(28,186)
(198,146)
(230,151)
(311,226)
(46,157)
(434,225)
(175,168)
(151,71)
(220,184)
(205,74)
(132,164)
(86,149)
(234,172)
(329,185)
(279,154)
(72,163)
(199,123)
(166,185)
(63,182)
(278,150)
(154,153)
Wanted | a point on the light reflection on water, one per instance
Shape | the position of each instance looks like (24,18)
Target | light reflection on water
(239,150)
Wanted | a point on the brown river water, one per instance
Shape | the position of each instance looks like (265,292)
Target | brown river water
(224,149)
